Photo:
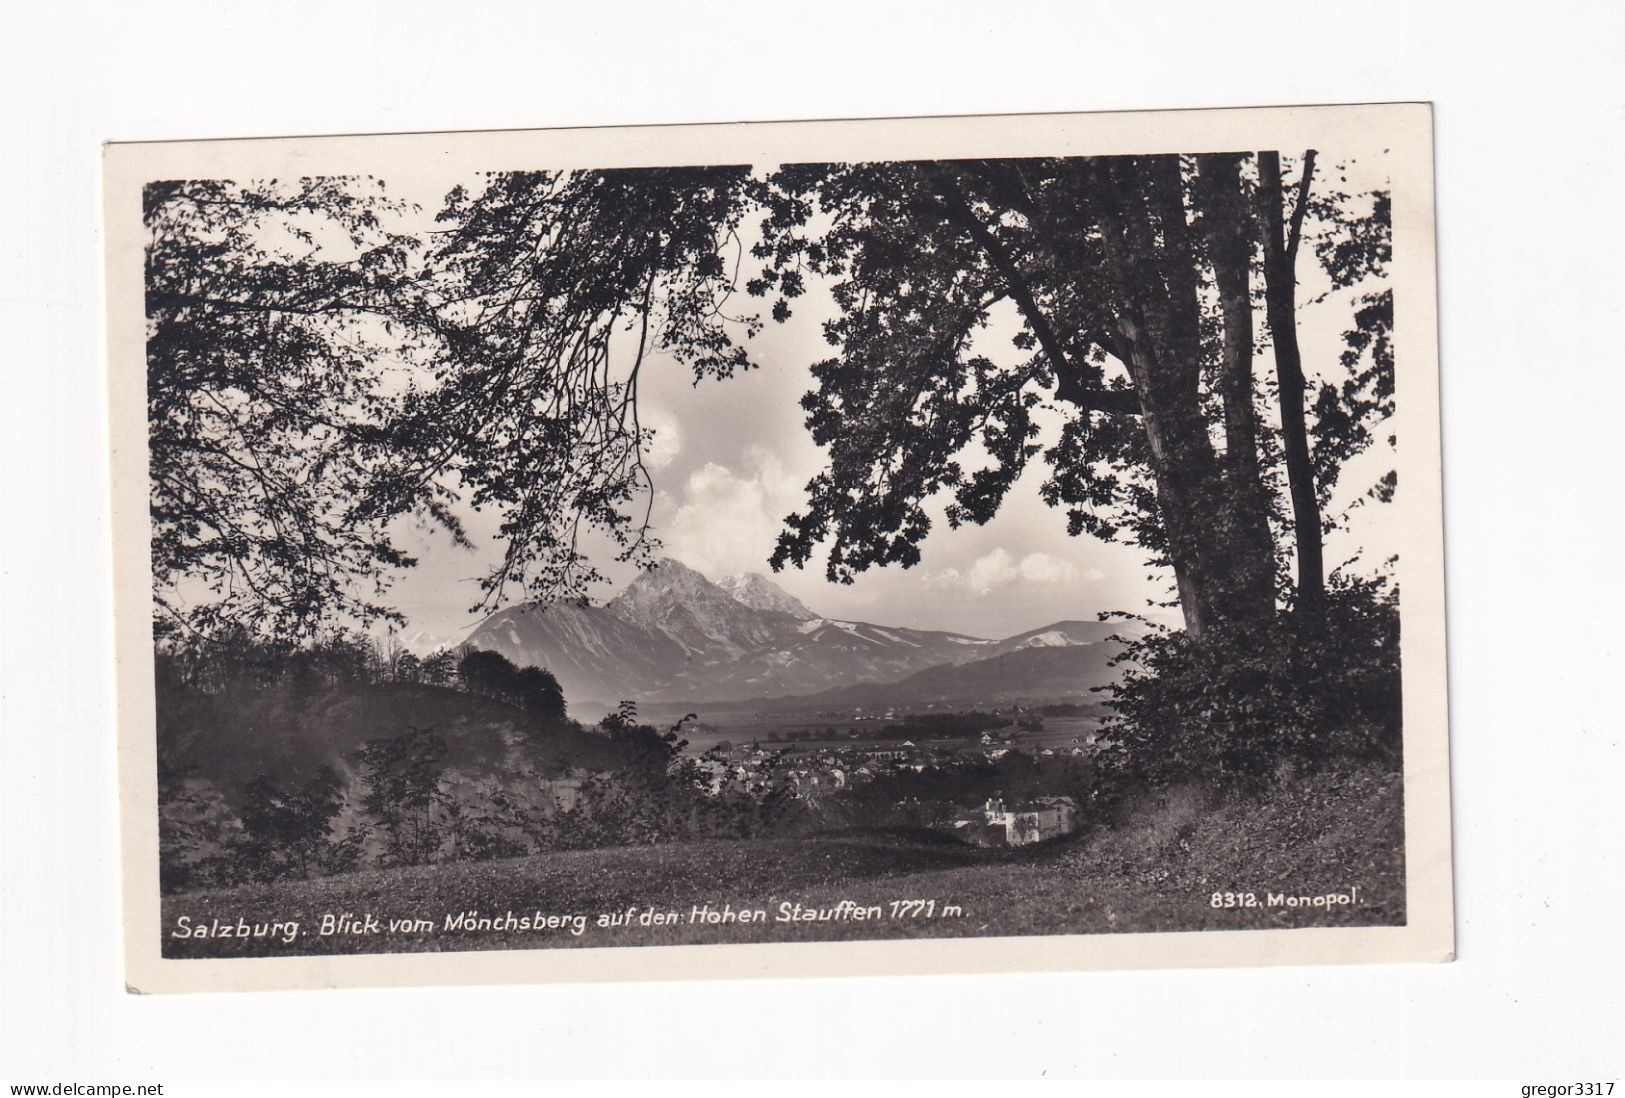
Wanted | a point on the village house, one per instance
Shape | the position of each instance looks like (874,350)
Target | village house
(997,823)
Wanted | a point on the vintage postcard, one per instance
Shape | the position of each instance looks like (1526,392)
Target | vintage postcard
(843,548)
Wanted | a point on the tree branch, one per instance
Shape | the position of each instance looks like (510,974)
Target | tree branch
(1068,386)
(1296,232)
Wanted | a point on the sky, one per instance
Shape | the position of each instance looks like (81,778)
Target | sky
(731,458)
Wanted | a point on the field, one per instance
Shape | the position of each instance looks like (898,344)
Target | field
(1157,869)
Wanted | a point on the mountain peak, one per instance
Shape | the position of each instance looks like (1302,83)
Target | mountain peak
(673,599)
(760,593)
(666,584)
(668,573)
(672,634)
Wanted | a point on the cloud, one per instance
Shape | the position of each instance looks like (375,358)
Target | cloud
(667,442)
(1000,569)
(728,520)
(997,569)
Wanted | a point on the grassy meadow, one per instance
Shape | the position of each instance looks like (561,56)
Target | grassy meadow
(1154,868)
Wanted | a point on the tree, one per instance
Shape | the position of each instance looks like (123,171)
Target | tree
(401,778)
(539,693)
(408,668)
(623,720)
(1102,261)
(1280,282)
(1354,243)
(540,280)
(289,830)
(532,689)
(197,831)
(1127,281)
(642,745)
(439,667)
(270,306)
(489,674)
(1129,278)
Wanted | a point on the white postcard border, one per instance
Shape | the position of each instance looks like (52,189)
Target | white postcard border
(1405,130)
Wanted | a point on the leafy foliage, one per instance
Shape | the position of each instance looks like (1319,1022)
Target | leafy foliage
(289,831)
(401,789)
(1303,692)
(549,293)
(198,833)
(919,257)
(318,375)
(531,689)
(1354,243)
(270,316)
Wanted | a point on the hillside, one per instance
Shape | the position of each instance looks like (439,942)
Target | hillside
(232,737)
(1054,664)
(1025,674)
(1151,871)
(597,658)
(1063,634)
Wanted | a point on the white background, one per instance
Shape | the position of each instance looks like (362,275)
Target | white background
(1529,112)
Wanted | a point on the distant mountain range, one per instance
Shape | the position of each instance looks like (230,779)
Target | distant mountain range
(674,635)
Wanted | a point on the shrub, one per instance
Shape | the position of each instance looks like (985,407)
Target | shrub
(401,781)
(198,834)
(1298,691)
(288,831)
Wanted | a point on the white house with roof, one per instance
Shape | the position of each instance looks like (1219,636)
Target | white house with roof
(998,823)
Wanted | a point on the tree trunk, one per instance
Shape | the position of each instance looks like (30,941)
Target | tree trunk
(1218,549)
(1227,226)
(1281,292)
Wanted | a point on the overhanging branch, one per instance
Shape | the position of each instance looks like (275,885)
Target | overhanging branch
(1068,384)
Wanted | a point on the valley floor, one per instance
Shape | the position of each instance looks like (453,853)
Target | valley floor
(1169,867)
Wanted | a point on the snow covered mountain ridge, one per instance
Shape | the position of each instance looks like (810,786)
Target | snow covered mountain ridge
(760,593)
(674,634)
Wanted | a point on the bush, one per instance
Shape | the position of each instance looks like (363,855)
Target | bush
(288,831)
(1299,691)
(401,782)
(198,834)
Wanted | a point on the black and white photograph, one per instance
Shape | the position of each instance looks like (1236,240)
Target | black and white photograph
(965,531)
(955,545)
